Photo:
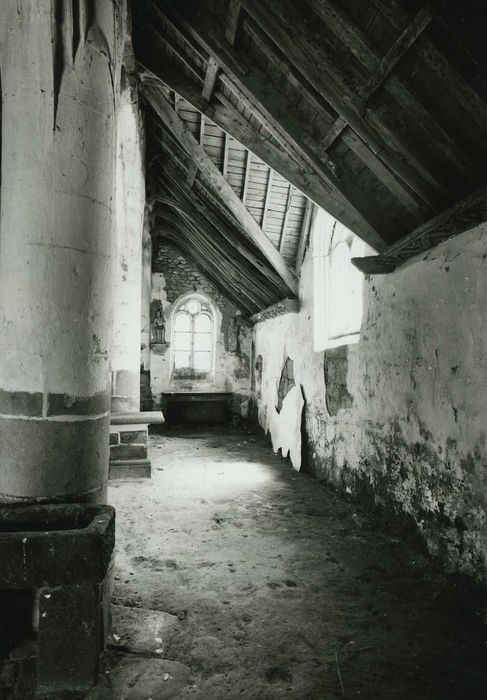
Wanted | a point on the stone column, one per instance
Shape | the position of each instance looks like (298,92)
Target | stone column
(128,442)
(130,204)
(56,246)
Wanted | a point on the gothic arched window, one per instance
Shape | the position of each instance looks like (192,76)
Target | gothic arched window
(192,330)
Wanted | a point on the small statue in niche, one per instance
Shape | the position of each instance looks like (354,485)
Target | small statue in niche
(159,327)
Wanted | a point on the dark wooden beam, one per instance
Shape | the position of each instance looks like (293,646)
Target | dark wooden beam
(334,84)
(380,69)
(459,88)
(412,32)
(228,118)
(306,226)
(216,181)
(469,213)
(277,114)
(282,238)
(210,79)
(225,154)
(268,192)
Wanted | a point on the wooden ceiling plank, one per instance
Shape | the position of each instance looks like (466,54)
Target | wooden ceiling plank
(231,20)
(268,191)
(245,186)
(285,219)
(210,79)
(216,180)
(225,155)
(470,212)
(271,21)
(231,120)
(308,218)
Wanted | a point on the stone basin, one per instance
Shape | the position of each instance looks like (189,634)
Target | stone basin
(55,545)
(54,596)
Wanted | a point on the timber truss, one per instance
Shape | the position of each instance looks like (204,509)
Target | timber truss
(375,111)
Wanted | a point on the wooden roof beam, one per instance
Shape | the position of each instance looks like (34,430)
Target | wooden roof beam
(381,74)
(307,223)
(279,115)
(469,213)
(217,182)
(302,50)
(282,237)
(228,118)
(395,184)
(411,33)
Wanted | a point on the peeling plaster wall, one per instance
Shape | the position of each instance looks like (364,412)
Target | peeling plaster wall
(404,416)
(174,278)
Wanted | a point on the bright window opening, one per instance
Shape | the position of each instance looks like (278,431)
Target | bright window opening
(192,339)
(337,284)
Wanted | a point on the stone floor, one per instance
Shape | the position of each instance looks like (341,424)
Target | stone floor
(241,578)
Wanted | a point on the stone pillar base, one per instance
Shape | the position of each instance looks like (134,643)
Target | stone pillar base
(128,452)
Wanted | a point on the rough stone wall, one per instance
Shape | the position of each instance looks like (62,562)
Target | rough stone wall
(173,277)
(400,417)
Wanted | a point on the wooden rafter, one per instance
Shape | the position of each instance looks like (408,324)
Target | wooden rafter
(216,180)
(329,82)
(380,68)
(245,188)
(289,200)
(225,154)
(339,196)
(306,225)
(469,213)
(397,185)
(268,192)
(410,34)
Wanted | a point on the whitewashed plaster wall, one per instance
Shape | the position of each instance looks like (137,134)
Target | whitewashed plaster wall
(410,433)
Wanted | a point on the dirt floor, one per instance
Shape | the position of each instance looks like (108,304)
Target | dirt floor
(274,587)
